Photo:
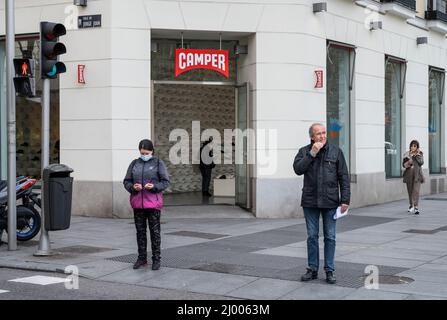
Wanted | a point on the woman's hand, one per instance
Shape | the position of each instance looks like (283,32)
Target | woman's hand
(138,187)
(148,186)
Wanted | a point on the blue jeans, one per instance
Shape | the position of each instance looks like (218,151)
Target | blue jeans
(312,216)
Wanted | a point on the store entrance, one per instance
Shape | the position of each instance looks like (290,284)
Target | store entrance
(184,111)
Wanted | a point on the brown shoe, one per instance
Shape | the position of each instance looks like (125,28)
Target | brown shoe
(139,264)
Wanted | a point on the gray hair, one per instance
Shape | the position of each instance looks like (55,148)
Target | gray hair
(311,128)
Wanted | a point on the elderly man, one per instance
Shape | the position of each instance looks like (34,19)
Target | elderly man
(325,175)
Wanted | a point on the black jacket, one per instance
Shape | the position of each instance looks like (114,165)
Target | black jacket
(204,165)
(324,177)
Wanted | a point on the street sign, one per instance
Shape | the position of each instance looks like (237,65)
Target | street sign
(92,21)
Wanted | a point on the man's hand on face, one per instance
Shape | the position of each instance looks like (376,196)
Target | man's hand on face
(316,148)
(344,207)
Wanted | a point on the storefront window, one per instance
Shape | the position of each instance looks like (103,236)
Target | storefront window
(394,71)
(29,115)
(338,101)
(163,60)
(436,96)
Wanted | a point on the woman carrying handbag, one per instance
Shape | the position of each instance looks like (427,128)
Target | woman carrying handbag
(413,176)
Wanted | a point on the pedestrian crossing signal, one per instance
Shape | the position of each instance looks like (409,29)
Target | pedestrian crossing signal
(24,67)
(24,82)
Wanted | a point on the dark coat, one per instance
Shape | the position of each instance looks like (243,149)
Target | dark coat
(204,165)
(418,161)
(325,177)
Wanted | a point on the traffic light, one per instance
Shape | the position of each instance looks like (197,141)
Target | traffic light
(50,49)
(24,81)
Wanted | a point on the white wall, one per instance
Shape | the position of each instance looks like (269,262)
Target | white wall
(102,121)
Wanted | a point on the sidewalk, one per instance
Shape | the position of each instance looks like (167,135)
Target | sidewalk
(226,251)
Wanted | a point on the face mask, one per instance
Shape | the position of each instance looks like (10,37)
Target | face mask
(146,157)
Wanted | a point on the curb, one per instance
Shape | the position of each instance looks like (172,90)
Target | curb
(41,269)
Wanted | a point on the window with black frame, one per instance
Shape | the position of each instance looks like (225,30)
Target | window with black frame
(340,67)
(395,70)
(436,98)
(437,5)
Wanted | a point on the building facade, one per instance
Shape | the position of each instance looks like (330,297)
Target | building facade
(372,71)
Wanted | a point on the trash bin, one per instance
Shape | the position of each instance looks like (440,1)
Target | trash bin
(58,190)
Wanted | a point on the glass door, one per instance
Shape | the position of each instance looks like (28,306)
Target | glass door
(241,159)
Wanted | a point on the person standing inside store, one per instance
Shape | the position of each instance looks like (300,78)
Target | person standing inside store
(206,165)
(413,176)
(325,178)
(146,179)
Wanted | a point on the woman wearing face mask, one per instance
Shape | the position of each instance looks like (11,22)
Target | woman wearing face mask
(413,176)
(145,180)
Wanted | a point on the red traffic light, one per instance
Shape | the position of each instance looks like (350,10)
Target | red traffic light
(50,31)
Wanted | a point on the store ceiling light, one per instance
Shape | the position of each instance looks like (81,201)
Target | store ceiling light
(82,3)
(421,40)
(239,49)
(320,7)
(375,25)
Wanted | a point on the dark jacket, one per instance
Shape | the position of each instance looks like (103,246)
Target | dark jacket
(153,171)
(324,177)
(204,165)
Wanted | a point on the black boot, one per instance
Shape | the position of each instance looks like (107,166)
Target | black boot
(330,277)
(310,275)
(155,264)
(140,263)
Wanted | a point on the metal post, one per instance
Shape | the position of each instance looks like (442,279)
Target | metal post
(44,242)
(11,105)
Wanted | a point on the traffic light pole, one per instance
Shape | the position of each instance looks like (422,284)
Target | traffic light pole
(44,242)
(11,103)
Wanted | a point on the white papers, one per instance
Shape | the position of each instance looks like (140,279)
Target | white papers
(339,215)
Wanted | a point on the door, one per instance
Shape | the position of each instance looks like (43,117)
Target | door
(242,166)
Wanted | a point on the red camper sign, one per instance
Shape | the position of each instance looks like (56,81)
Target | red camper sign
(188,59)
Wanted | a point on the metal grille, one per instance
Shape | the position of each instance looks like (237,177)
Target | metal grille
(201,235)
(81,249)
(349,275)
(388,279)
(436,199)
(421,231)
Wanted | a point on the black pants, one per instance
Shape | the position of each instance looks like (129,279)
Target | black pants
(206,178)
(141,216)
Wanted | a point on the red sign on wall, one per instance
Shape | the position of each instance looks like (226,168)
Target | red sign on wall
(81,78)
(188,59)
(319,79)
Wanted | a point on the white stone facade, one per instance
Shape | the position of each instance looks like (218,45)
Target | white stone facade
(102,121)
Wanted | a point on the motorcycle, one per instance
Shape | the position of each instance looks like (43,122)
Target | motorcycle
(28,218)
